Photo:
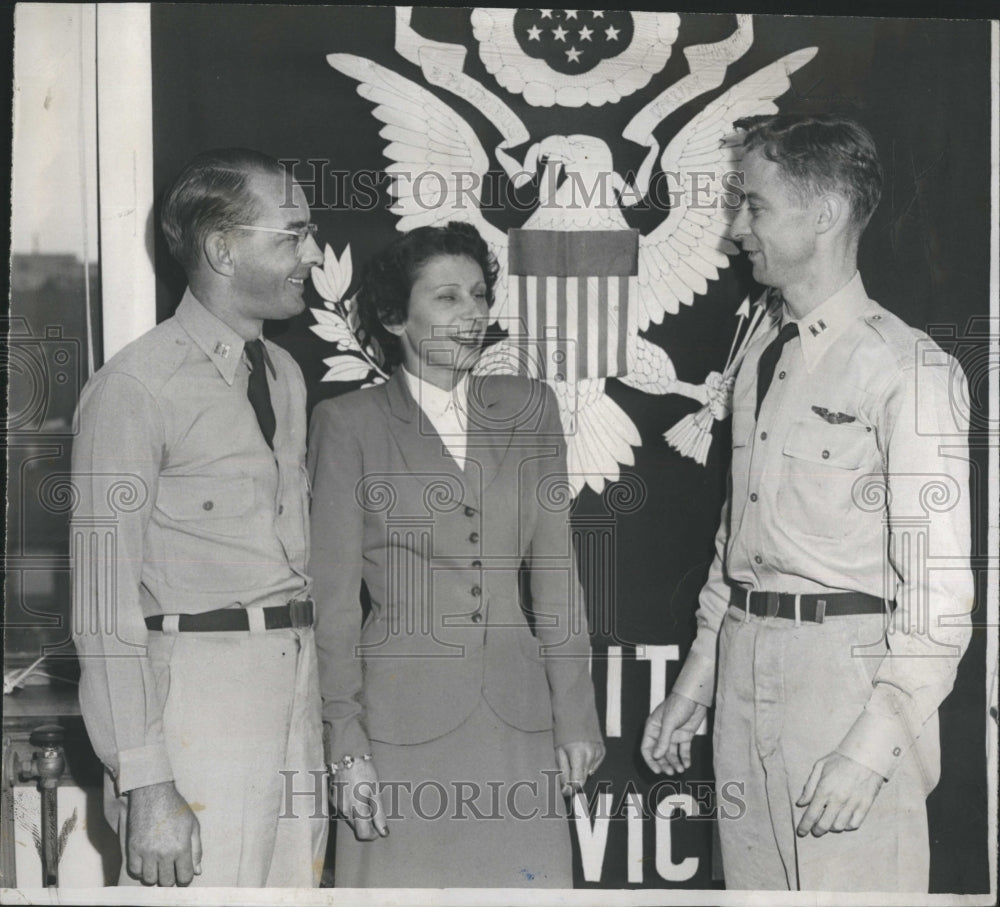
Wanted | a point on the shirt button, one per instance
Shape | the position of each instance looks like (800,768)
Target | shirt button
(476,591)
(757,559)
(753,497)
(763,436)
(208,505)
(477,564)
(281,509)
(473,537)
(896,751)
(781,375)
(826,455)
(469,511)
(477,618)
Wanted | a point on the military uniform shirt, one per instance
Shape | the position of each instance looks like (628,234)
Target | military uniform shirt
(854,478)
(182,508)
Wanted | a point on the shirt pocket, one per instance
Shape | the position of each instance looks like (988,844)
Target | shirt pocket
(820,466)
(209,505)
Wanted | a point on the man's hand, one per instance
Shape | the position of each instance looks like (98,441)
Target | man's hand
(163,838)
(666,743)
(356,797)
(839,794)
(577,761)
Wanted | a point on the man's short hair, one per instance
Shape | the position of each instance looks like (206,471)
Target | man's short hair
(211,194)
(821,153)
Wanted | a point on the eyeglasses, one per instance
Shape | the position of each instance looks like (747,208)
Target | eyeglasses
(309,230)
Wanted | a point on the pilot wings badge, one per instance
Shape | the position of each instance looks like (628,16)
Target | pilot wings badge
(833,418)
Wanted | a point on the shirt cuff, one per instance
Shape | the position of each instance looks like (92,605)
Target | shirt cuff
(696,680)
(142,766)
(878,742)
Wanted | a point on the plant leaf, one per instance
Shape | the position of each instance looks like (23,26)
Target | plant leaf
(332,328)
(322,284)
(346,368)
(330,263)
(346,269)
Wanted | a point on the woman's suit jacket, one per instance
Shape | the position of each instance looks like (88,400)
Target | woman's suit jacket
(439,550)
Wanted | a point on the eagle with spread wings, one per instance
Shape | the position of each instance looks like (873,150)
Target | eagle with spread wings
(424,137)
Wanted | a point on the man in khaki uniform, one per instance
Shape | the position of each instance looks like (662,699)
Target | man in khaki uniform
(193,622)
(833,642)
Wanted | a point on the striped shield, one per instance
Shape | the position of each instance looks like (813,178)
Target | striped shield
(570,291)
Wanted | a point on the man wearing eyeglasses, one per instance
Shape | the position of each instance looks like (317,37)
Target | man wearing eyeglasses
(192,613)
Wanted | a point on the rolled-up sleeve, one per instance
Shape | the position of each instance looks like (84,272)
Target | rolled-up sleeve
(116,463)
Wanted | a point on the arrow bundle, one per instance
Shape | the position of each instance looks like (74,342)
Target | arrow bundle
(692,436)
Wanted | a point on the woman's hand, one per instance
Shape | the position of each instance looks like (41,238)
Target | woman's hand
(577,761)
(355,795)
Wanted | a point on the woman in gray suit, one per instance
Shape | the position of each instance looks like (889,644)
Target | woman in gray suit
(457,715)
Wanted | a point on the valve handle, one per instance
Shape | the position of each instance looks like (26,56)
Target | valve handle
(47,736)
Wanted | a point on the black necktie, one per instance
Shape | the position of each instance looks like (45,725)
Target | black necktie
(769,359)
(258,392)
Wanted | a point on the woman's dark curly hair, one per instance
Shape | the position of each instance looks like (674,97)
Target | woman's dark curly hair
(387,279)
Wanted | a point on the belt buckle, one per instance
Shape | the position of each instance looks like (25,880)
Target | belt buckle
(300,612)
(772,601)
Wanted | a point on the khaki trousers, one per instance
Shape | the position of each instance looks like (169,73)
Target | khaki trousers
(786,697)
(241,708)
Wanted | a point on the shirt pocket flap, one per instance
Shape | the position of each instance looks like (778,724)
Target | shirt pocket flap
(844,446)
(204,497)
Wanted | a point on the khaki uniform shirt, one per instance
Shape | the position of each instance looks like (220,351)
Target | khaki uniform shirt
(855,478)
(182,508)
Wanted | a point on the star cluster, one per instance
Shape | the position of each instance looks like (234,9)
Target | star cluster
(572,41)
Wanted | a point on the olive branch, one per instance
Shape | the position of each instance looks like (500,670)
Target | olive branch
(359,357)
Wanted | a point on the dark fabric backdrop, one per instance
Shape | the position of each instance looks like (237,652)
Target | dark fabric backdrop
(257,76)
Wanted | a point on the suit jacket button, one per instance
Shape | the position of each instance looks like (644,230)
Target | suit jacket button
(208,505)
(473,537)
(469,511)
(476,591)
(477,618)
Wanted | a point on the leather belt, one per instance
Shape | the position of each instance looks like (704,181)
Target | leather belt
(297,613)
(815,607)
